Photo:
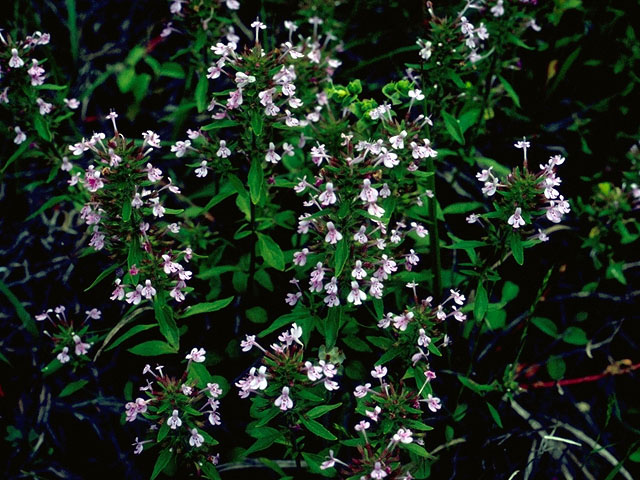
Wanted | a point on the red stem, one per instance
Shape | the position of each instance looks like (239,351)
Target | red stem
(620,370)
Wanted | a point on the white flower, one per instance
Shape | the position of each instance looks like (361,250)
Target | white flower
(196,355)
(284,402)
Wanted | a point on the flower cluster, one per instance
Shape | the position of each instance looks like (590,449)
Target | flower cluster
(392,421)
(524,196)
(284,371)
(71,341)
(416,328)
(21,79)
(272,95)
(351,242)
(176,408)
(125,215)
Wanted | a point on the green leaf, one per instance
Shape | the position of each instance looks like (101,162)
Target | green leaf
(225,191)
(255,180)
(477,387)
(415,449)
(126,211)
(510,91)
(516,248)
(495,415)
(105,273)
(48,204)
(556,367)
(153,348)
(72,388)
(172,70)
(201,93)
(163,460)
(281,321)
(317,429)
(461,207)
(614,271)
(341,256)
(27,320)
(575,336)
(481,302)
(206,307)
(210,472)
(332,325)
(320,410)
(130,333)
(42,128)
(257,123)
(166,322)
(224,123)
(270,251)
(125,79)
(546,325)
(635,456)
(257,315)
(453,127)
(163,431)
(21,149)
(509,291)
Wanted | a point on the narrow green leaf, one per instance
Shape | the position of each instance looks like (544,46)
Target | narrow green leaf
(42,127)
(270,251)
(481,302)
(166,322)
(257,122)
(163,460)
(21,149)
(104,274)
(225,191)
(332,326)
(255,180)
(72,388)
(317,429)
(320,410)
(172,70)
(201,93)
(130,333)
(72,25)
(516,248)
(461,207)
(27,320)
(224,123)
(48,204)
(206,307)
(163,431)
(153,348)
(510,91)
(281,321)
(126,211)
(453,127)
(495,415)
(341,256)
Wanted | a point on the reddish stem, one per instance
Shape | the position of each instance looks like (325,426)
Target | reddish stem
(616,369)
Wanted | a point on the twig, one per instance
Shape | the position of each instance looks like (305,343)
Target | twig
(450,443)
(597,448)
(619,368)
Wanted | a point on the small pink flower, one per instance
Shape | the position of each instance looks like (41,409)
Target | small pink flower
(196,355)
(284,402)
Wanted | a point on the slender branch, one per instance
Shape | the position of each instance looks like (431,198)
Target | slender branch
(617,369)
